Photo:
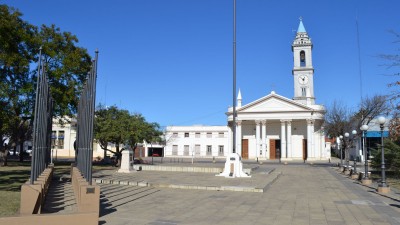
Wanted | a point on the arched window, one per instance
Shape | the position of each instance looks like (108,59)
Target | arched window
(302,59)
(304,92)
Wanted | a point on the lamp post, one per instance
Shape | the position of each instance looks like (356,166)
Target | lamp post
(366,179)
(383,187)
(340,148)
(346,155)
(354,132)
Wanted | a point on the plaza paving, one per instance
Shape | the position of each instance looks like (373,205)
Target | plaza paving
(297,193)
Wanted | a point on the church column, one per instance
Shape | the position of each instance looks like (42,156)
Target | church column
(289,139)
(263,135)
(230,139)
(324,154)
(310,141)
(257,138)
(283,139)
(239,137)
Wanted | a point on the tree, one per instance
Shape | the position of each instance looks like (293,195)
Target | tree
(66,66)
(371,107)
(16,85)
(119,127)
(111,126)
(337,119)
(140,130)
(392,156)
(393,61)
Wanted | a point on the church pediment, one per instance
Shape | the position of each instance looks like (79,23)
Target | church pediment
(274,103)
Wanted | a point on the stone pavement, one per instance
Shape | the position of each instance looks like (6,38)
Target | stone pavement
(300,194)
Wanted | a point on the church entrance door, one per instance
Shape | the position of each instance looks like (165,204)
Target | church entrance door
(304,149)
(245,148)
(274,149)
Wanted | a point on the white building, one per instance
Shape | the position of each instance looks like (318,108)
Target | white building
(268,128)
(63,136)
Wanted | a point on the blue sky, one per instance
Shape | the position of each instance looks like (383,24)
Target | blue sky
(171,60)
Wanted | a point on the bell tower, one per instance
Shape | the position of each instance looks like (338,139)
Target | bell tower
(303,71)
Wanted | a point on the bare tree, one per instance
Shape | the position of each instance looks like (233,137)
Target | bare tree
(337,119)
(370,108)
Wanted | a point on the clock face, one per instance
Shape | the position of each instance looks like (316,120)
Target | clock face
(303,79)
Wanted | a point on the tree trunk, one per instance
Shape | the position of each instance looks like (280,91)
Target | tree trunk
(117,155)
(3,157)
(21,151)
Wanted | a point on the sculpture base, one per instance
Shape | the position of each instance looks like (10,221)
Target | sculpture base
(233,167)
(366,181)
(384,190)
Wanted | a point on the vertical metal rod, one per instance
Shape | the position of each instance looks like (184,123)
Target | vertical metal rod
(34,147)
(234,77)
(94,77)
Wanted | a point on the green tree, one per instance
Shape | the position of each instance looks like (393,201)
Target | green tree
(140,130)
(124,130)
(17,42)
(392,156)
(66,66)
(111,126)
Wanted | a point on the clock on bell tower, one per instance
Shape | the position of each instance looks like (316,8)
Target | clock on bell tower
(303,71)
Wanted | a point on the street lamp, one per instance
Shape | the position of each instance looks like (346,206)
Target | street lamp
(364,129)
(346,155)
(383,184)
(340,148)
(354,132)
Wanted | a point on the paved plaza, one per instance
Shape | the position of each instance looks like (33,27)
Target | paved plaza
(297,193)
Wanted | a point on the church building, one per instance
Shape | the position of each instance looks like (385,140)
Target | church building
(271,127)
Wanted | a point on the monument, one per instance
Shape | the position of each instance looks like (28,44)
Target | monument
(233,167)
(126,161)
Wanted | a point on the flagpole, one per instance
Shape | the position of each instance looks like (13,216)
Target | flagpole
(234,78)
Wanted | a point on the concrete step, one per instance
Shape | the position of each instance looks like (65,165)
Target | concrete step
(60,197)
(113,196)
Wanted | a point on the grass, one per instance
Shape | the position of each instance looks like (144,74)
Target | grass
(391,179)
(11,179)
(16,174)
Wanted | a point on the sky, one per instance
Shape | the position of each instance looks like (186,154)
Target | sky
(172,60)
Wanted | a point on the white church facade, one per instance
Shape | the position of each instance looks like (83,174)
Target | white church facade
(271,127)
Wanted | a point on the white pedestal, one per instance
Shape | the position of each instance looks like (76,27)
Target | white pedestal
(233,167)
(126,162)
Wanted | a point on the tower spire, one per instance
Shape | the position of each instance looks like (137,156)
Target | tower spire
(239,99)
(301,28)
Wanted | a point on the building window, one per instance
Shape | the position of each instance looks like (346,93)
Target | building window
(53,139)
(174,149)
(197,149)
(60,139)
(221,135)
(303,92)
(221,150)
(175,135)
(209,135)
(197,135)
(209,150)
(186,135)
(302,59)
(186,150)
